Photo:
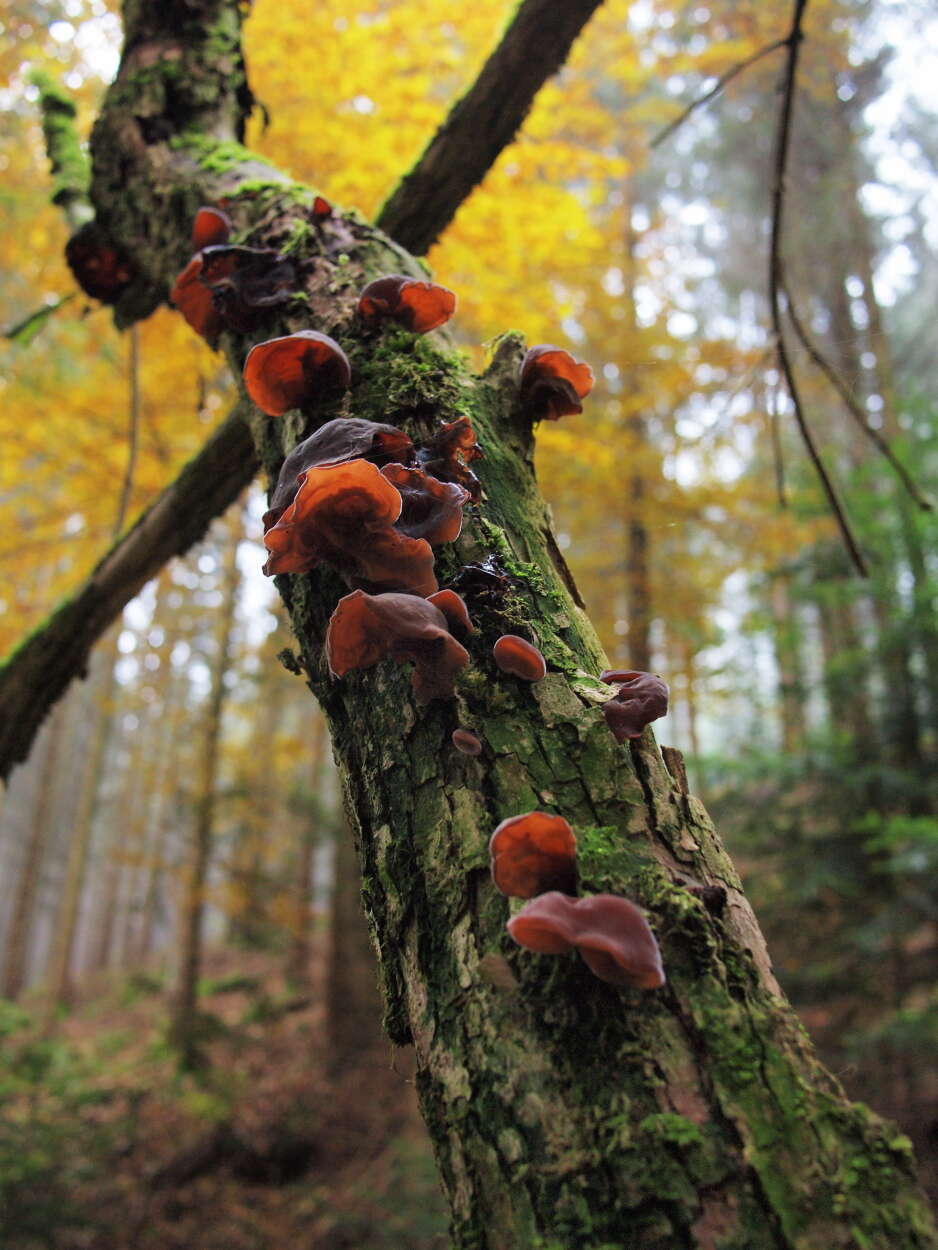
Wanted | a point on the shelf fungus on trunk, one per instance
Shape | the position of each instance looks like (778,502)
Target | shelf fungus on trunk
(365,628)
(642,698)
(553,383)
(611,934)
(520,658)
(294,370)
(534,853)
(417,306)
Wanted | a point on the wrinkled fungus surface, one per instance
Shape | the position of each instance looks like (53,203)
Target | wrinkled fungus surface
(532,854)
(367,628)
(418,306)
(450,452)
(343,515)
(553,382)
(246,282)
(516,656)
(642,698)
(294,370)
(431,509)
(345,438)
(611,934)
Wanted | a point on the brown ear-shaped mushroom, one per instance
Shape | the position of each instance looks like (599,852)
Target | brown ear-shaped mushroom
(345,438)
(100,268)
(516,656)
(418,306)
(450,452)
(431,509)
(211,227)
(246,282)
(194,300)
(321,208)
(366,628)
(294,370)
(344,514)
(553,383)
(533,854)
(454,610)
(611,934)
(465,740)
(642,698)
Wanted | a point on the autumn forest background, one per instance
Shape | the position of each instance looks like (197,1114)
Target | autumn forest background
(180,804)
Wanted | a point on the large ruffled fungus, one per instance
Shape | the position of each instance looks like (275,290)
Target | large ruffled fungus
(294,370)
(431,509)
(418,306)
(533,854)
(367,628)
(516,656)
(194,300)
(611,934)
(345,438)
(553,383)
(210,228)
(344,514)
(642,698)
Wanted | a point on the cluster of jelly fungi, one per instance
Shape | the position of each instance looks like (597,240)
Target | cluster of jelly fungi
(417,306)
(553,383)
(641,698)
(293,371)
(520,658)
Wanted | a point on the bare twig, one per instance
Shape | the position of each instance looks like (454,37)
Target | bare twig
(133,430)
(783,135)
(778,458)
(851,404)
(715,90)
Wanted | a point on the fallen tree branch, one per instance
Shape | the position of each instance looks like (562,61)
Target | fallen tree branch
(483,122)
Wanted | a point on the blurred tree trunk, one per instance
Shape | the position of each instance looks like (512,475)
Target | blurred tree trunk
(298,954)
(791,685)
(24,905)
(184,1018)
(563,1111)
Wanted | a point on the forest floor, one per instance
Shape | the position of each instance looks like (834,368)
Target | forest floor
(104,1145)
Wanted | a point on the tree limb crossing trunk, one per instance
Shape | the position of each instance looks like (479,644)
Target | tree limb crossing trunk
(565,1114)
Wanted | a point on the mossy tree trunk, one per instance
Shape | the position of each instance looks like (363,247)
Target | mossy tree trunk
(564,1113)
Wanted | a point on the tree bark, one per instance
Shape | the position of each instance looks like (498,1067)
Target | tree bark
(564,1112)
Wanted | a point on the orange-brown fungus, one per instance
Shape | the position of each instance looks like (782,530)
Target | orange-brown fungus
(211,226)
(642,698)
(454,609)
(611,934)
(450,452)
(194,301)
(101,269)
(431,509)
(553,383)
(514,655)
(418,306)
(532,854)
(292,371)
(345,438)
(247,282)
(321,208)
(465,740)
(367,628)
(344,514)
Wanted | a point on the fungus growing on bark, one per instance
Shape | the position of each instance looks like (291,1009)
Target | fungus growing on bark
(611,934)
(211,227)
(431,509)
(533,854)
(343,514)
(321,208)
(246,282)
(345,438)
(642,698)
(553,383)
(367,628)
(454,610)
(450,452)
(100,268)
(292,371)
(418,306)
(194,300)
(465,740)
(516,656)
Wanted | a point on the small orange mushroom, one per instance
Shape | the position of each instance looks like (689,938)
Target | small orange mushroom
(642,698)
(321,208)
(553,383)
(432,509)
(418,306)
(533,854)
(465,740)
(367,628)
(194,300)
(611,934)
(345,438)
(294,370)
(516,656)
(211,226)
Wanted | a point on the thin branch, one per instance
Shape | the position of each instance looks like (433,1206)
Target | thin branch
(778,457)
(721,82)
(851,404)
(133,430)
(483,121)
(783,136)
